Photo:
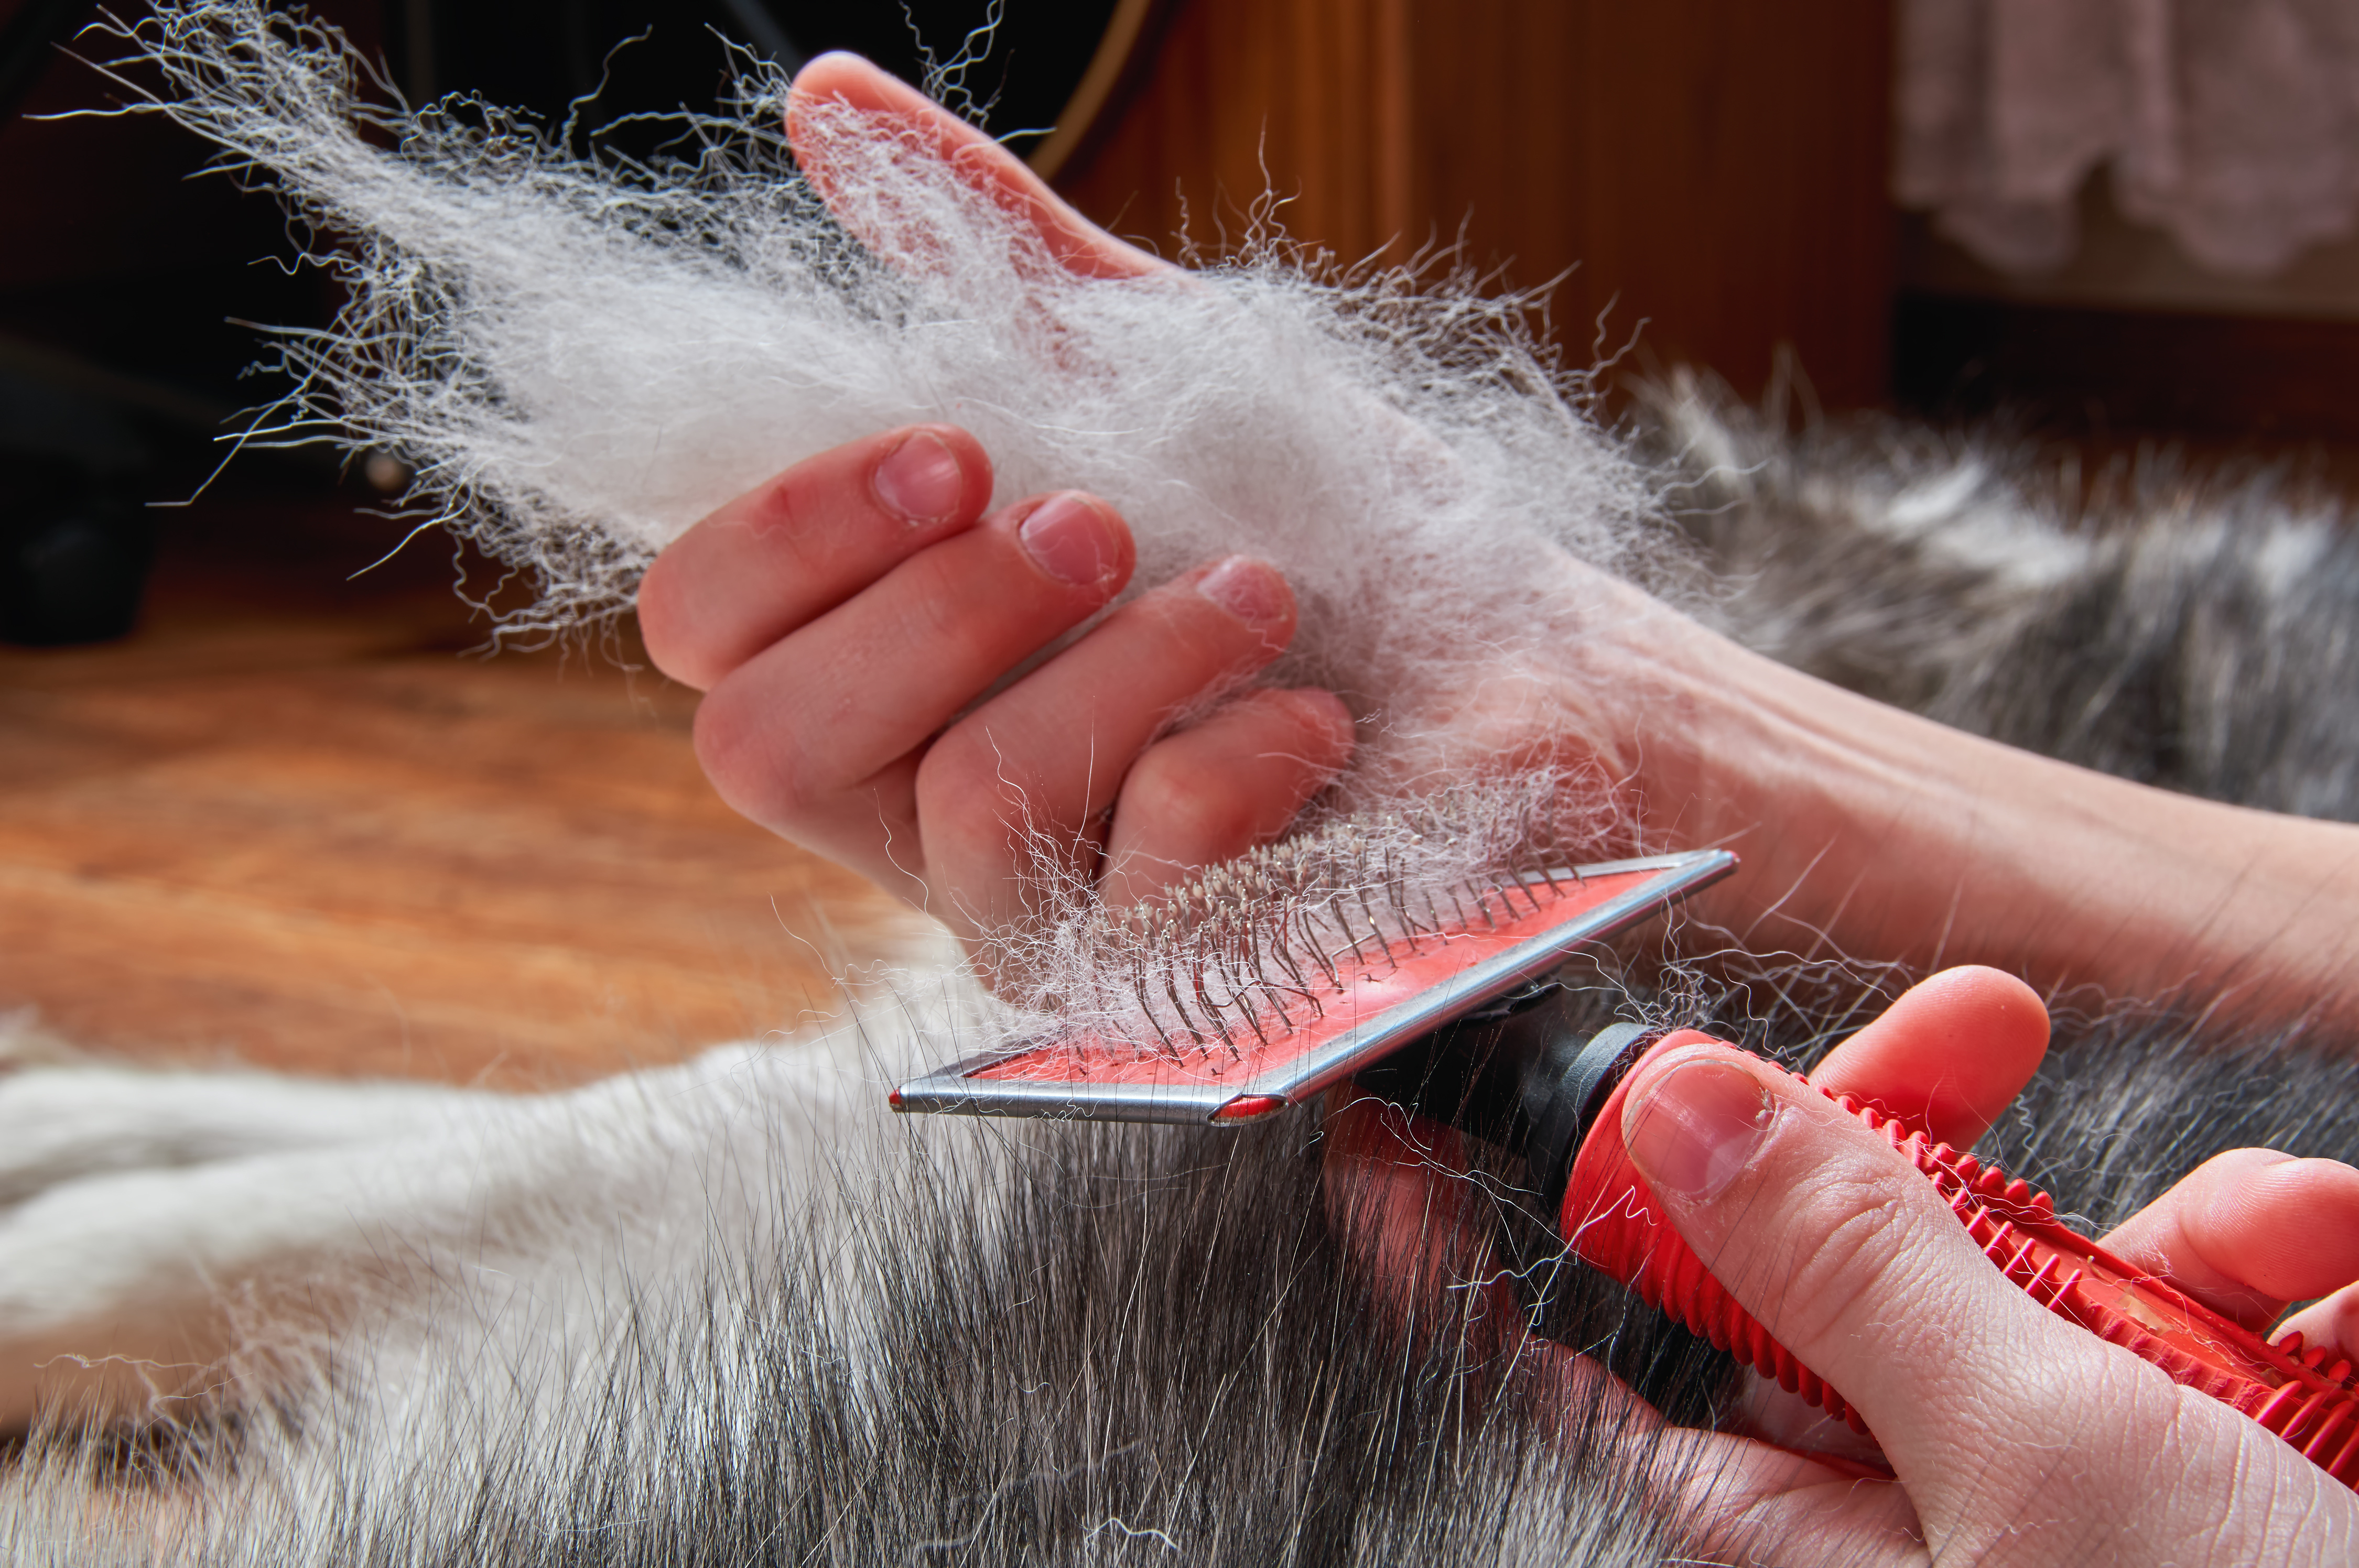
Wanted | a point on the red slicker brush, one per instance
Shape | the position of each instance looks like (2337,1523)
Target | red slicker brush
(1519,1076)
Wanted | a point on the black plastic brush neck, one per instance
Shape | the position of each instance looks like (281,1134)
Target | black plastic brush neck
(1519,1074)
(1563,1091)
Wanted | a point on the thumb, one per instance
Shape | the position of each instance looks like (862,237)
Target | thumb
(896,109)
(1999,1417)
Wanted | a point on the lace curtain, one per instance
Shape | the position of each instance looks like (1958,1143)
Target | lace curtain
(2231,125)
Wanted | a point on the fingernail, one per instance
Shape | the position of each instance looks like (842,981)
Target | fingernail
(1068,537)
(1249,590)
(1697,1127)
(920,480)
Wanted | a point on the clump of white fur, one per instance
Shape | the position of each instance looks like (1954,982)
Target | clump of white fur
(580,359)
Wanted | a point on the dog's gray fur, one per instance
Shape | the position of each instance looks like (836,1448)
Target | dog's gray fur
(730,1314)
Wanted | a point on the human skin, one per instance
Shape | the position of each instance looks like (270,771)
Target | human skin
(845,618)
(850,622)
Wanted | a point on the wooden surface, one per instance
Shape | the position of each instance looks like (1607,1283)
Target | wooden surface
(1714,169)
(288,823)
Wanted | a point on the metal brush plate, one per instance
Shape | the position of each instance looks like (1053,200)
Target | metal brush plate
(1381,1008)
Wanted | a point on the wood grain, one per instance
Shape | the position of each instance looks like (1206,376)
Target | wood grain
(1713,170)
(290,823)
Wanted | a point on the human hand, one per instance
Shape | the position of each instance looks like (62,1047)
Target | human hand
(857,624)
(1628,694)
(819,764)
(891,107)
(2014,1436)
(1503,715)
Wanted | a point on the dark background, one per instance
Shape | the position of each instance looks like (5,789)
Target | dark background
(120,258)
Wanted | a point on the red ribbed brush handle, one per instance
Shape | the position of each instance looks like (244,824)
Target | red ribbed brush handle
(1612,1223)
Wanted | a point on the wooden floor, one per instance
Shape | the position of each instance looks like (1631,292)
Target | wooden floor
(291,822)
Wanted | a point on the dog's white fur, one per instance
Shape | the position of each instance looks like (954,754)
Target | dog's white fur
(381,1270)
(139,1206)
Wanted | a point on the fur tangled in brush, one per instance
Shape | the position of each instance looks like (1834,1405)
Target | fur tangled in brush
(732,1313)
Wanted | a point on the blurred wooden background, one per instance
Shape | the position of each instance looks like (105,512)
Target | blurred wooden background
(1713,169)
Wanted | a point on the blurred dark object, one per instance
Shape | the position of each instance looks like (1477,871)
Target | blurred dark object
(125,351)
(73,556)
(2072,371)
(625,58)
(75,542)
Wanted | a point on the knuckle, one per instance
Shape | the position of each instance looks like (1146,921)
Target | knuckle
(940,611)
(774,513)
(669,627)
(962,794)
(1849,1254)
(1187,804)
(2047,1419)
(948,772)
